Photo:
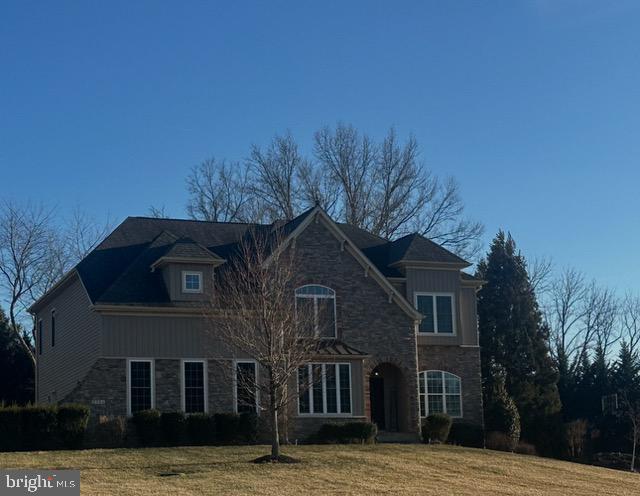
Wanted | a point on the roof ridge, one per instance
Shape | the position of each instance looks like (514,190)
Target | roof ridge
(197,220)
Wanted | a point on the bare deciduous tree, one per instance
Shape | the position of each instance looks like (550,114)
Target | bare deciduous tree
(260,321)
(540,270)
(158,212)
(35,253)
(219,191)
(24,253)
(569,341)
(631,410)
(275,176)
(600,316)
(630,318)
(383,188)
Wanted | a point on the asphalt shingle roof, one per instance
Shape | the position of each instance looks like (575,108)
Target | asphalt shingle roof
(118,270)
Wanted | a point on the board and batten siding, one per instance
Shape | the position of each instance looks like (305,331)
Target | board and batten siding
(446,281)
(77,343)
(172,275)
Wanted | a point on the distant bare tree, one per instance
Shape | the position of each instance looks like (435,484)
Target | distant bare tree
(24,254)
(219,191)
(35,253)
(158,212)
(540,270)
(275,175)
(630,317)
(383,188)
(350,158)
(569,340)
(261,322)
(386,190)
(600,310)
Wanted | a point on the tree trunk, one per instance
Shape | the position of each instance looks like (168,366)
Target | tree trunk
(633,454)
(275,435)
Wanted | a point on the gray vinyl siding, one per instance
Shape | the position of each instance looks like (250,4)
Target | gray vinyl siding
(158,337)
(77,344)
(446,281)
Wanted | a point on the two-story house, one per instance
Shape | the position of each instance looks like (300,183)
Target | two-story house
(124,330)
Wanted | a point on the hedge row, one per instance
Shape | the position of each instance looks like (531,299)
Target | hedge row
(173,428)
(42,427)
(349,432)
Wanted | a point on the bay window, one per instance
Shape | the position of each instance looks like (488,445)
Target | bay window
(324,389)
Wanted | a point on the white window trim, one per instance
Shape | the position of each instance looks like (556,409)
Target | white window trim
(205,382)
(324,391)
(315,298)
(444,393)
(153,381)
(454,314)
(186,273)
(235,383)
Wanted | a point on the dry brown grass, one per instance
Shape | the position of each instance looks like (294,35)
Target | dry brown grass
(345,470)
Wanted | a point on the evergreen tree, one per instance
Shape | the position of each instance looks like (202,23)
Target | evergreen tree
(16,367)
(513,336)
(626,373)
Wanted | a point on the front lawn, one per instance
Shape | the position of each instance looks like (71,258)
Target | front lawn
(345,470)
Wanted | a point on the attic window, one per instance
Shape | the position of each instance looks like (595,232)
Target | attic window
(191,282)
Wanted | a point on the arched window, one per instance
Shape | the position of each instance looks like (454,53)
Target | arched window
(440,392)
(318,305)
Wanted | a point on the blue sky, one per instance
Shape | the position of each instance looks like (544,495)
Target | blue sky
(533,106)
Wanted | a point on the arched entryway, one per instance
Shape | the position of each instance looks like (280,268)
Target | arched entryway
(388,398)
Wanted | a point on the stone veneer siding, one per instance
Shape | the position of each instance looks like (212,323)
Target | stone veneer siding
(168,378)
(463,362)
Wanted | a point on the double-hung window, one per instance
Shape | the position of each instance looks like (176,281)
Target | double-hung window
(191,282)
(440,392)
(195,386)
(246,387)
(324,389)
(439,313)
(316,309)
(140,385)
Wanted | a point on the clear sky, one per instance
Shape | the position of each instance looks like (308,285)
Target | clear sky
(534,106)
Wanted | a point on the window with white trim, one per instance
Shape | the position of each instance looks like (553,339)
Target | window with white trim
(324,389)
(440,392)
(246,387)
(194,383)
(439,313)
(318,303)
(140,385)
(191,282)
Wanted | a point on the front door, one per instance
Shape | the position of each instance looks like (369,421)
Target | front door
(376,389)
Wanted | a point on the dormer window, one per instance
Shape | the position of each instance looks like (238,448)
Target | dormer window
(191,282)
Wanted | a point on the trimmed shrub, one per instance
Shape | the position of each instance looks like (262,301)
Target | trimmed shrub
(499,441)
(10,428)
(227,427)
(174,427)
(72,424)
(147,423)
(201,429)
(467,434)
(247,428)
(501,413)
(526,449)
(110,431)
(436,427)
(38,426)
(348,432)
